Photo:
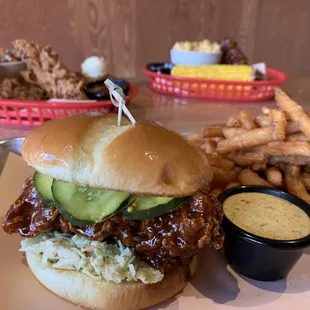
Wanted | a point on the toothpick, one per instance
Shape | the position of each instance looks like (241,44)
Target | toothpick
(118,98)
(120,113)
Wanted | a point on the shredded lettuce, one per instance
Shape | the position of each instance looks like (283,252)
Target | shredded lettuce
(99,260)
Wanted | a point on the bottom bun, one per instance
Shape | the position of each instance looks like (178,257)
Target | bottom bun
(84,291)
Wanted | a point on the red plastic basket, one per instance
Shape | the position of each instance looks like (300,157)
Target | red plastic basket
(216,89)
(33,113)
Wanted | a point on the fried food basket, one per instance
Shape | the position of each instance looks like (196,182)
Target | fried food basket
(216,89)
(23,113)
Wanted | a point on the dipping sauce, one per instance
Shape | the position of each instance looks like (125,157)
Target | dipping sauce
(99,88)
(267,216)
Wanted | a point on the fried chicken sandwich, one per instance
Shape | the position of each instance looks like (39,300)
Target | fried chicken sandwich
(114,216)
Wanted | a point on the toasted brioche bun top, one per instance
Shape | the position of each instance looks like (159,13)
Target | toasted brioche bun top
(145,158)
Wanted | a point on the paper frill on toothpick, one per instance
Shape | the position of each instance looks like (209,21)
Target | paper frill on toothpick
(118,98)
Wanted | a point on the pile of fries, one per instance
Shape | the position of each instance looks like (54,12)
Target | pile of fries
(271,149)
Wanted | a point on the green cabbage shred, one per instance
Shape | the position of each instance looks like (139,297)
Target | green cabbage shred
(99,260)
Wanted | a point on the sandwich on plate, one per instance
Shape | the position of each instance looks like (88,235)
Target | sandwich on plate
(114,216)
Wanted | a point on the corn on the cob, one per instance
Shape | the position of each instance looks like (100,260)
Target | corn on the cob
(215,72)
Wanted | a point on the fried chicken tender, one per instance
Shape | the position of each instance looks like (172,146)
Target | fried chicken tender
(14,89)
(45,70)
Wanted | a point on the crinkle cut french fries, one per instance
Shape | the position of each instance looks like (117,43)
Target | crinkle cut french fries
(270,149)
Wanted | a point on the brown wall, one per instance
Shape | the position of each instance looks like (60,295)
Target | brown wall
(134,32)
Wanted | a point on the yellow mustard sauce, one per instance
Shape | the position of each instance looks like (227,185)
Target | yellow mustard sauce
(267,216)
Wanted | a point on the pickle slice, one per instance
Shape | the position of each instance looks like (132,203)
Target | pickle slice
(43,185)
(88,204)
(141,207)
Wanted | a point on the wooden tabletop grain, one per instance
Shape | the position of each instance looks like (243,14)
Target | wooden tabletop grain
(190,115)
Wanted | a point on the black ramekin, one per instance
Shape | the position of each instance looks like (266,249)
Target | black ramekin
(99,95)
(257,257)
(160,67)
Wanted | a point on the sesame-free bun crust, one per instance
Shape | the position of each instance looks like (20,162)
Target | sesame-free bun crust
(145,158)
(102,295)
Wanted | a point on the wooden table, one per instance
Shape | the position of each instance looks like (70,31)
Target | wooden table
(190,115)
